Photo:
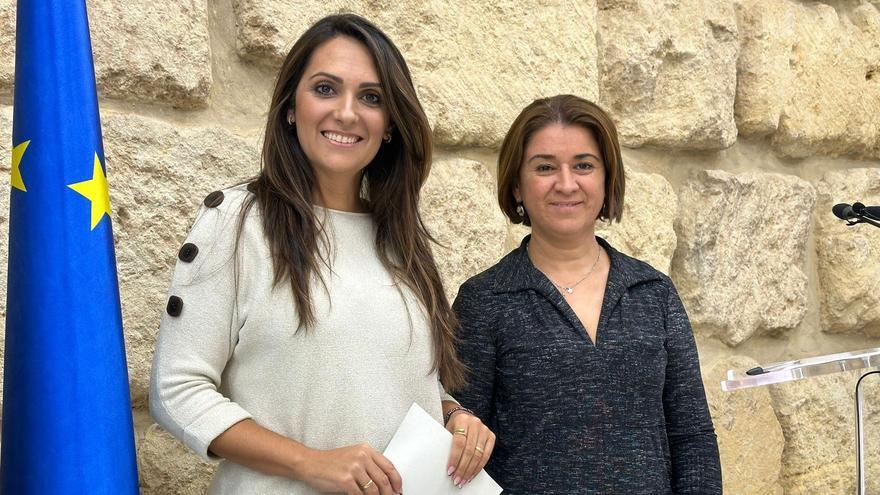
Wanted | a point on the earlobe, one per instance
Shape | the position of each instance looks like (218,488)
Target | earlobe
(291,117)
(516,194)
(386,137)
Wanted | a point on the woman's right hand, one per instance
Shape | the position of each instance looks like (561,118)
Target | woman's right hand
(349,470)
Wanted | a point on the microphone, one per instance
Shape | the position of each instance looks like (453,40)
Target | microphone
(857,213)
(844,211)
(868,211)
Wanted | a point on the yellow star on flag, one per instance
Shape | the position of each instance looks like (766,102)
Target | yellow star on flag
(96,192)
(17,154)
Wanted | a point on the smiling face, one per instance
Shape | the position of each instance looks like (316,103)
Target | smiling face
(562,181)
(339,112)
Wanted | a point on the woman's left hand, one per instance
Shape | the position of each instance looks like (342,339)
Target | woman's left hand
(472,444)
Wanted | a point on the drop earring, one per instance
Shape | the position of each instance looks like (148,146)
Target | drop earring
(520,210)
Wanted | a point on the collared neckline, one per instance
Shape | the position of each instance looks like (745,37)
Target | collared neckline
(516,271)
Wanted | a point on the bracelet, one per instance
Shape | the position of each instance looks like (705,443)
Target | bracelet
(448,415)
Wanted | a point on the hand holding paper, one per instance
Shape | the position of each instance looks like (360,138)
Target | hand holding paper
(419,451)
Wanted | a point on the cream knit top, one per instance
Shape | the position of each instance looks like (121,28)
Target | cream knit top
(234,350)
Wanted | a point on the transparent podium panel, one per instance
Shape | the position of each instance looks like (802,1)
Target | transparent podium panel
(798,369)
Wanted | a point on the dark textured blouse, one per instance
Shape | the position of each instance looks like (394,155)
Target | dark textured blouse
(625,416)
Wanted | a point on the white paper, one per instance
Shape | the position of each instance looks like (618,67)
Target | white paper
(420,449)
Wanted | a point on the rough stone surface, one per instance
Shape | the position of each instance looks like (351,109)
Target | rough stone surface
(475,66)
(460,211)
(668,71)
(158,175)
(646,231)
(834,96)
(749,435)
(7,45)
(809,74)
(515,235)
(5,163)
(766,34)
(848,276)
(817,420)
(167,467)
(739,265)
(148,51)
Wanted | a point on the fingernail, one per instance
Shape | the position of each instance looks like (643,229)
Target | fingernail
(457,482)
(450,470)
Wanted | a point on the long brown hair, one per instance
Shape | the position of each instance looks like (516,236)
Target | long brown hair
(390,183)
(565,110)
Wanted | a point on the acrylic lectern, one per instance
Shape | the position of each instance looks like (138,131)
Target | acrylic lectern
(800,369)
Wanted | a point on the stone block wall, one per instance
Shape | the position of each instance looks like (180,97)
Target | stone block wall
(743,122)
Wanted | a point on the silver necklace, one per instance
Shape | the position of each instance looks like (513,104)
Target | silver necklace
(570,289)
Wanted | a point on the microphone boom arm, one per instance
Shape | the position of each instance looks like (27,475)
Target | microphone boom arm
(863,219)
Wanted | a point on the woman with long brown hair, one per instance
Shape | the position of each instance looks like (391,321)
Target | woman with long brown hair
(306,313)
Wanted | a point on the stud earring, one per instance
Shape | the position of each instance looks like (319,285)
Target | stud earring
(520,210)
(290,120)
(387,138)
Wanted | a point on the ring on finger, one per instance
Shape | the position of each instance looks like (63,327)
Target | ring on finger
(460,431)
(479,449)
(366,485)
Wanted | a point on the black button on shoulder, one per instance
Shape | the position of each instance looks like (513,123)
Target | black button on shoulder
(175,306)
(188,252)
(214,199)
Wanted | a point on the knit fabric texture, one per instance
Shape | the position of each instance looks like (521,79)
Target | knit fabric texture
(236,350)
(627,415)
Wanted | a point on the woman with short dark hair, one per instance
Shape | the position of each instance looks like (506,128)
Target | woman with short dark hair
(582,360)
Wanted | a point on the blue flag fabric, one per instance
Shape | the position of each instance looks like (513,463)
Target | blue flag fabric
(67,424)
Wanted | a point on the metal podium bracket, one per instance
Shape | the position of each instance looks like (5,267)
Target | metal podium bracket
(860,436)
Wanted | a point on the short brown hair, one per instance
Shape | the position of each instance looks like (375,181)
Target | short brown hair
(565,110)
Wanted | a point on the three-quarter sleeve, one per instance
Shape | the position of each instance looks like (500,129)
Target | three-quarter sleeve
(696,468)
(444,395)
(476,350)
(197,335)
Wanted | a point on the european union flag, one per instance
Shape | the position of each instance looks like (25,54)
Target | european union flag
(67,425)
